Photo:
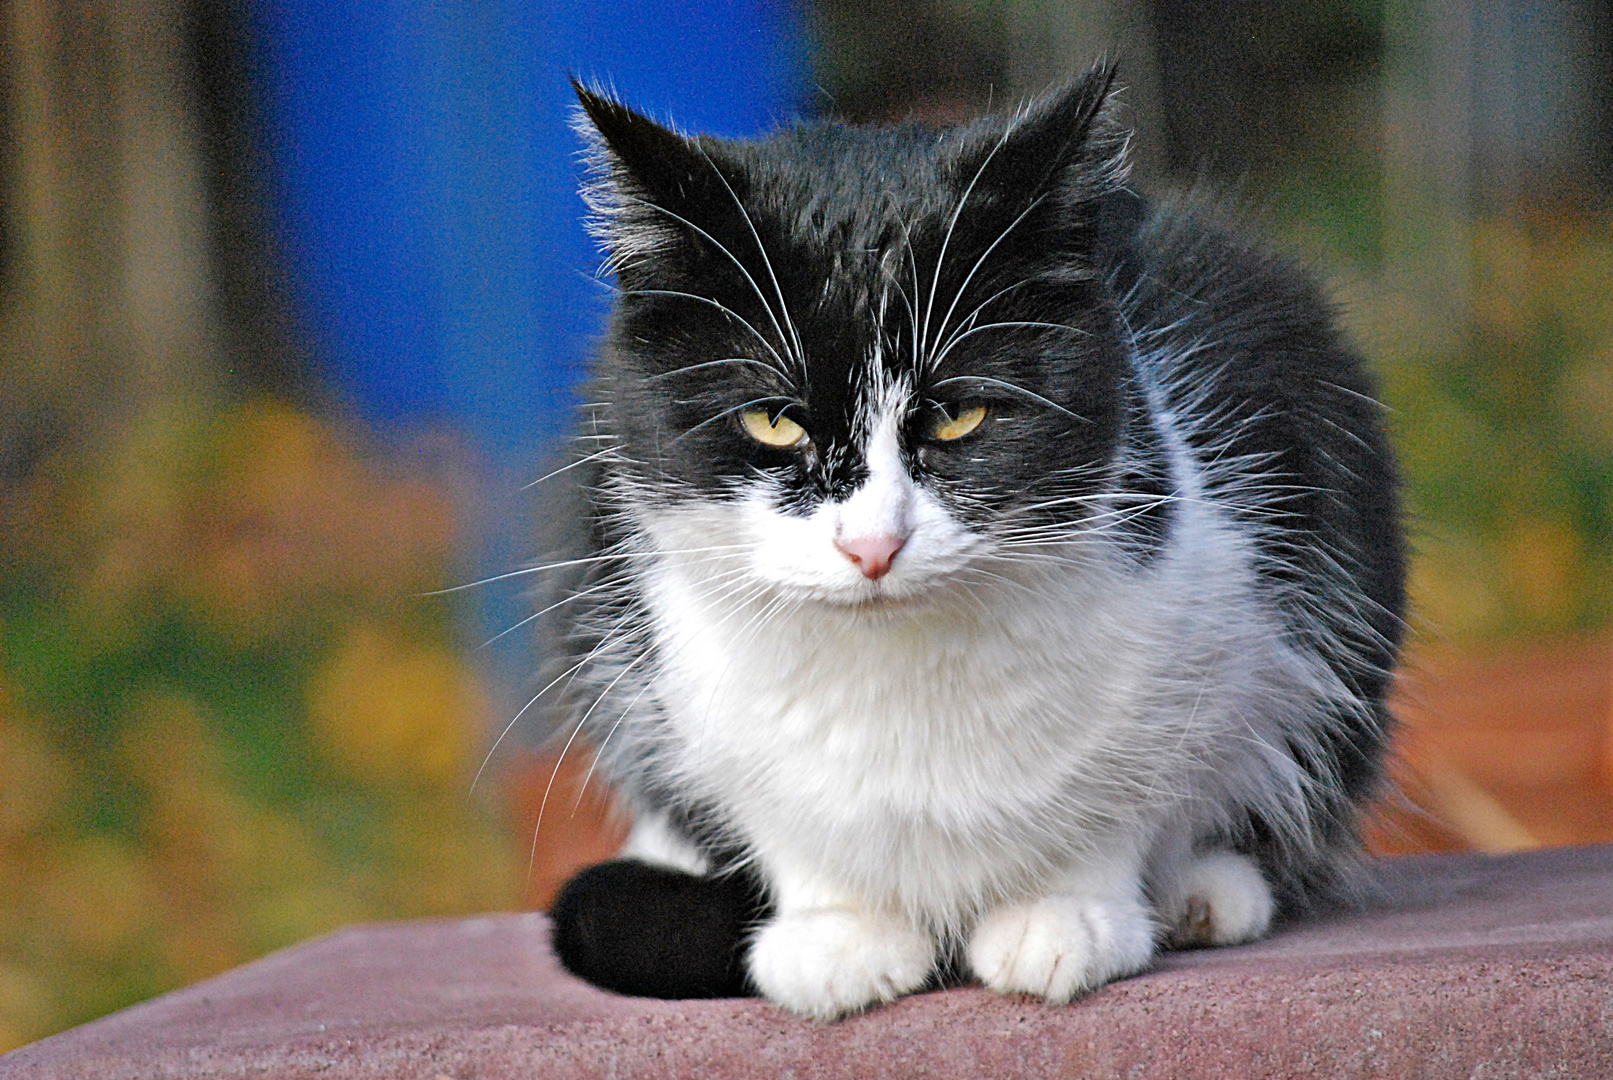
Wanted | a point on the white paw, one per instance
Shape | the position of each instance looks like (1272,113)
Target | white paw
(826,962)
(1223,901)
(1060,946)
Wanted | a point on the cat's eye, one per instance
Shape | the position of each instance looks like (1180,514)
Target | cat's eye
(778,431)
(949,422)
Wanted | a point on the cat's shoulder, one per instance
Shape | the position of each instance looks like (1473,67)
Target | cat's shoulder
(1200,259)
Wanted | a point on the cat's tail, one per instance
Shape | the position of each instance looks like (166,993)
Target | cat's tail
(650,931)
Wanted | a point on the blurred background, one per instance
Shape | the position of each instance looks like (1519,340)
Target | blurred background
(293,299)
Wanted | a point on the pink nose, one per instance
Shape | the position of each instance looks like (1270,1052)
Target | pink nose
(871,554)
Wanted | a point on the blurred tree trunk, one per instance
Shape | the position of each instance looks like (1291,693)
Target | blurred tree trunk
(1050,41)
(1428,155)
(105,302)
(884,60)
(137,270)
(1489,105)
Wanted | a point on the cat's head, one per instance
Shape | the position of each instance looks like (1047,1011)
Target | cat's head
(874,359)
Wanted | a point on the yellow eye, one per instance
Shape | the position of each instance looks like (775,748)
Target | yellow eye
(782,432)
(944,428)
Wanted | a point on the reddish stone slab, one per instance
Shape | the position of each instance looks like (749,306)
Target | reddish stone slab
(1463,966)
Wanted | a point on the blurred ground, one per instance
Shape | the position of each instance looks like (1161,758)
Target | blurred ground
(1503,748)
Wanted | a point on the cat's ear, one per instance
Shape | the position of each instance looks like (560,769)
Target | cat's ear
(1066,144)
(646,184)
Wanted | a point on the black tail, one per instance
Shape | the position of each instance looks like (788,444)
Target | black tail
(649,931)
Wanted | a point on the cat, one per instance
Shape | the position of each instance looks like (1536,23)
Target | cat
(992,574)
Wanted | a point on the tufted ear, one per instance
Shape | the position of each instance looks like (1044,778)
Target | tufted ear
(649,189)
(1066,144)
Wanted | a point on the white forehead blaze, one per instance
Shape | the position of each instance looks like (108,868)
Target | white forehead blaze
(884,503)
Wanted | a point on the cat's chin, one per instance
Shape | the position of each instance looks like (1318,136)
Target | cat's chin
(881,600)
(887,602)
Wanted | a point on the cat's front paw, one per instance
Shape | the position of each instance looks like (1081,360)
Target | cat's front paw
(1060,946)
(826,962)
(1223,900)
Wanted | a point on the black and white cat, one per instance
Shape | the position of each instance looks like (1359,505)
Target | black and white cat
(993,576)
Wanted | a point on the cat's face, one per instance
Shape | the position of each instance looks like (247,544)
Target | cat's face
(875,361)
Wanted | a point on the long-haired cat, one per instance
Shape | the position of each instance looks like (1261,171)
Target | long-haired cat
(993,575)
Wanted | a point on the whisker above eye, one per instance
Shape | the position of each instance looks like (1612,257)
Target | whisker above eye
(712,363)
(784,307)
(913,270)
(757,289)
(726,412)
(768,345)
(1033,395)
(945,319)
(940,259)
(1006,324)
(967,321)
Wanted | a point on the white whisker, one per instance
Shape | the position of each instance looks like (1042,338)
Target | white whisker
(595,456)
(766,306)
(784,307)
(1016,389)
(783,367)
(940,259)
(942,329)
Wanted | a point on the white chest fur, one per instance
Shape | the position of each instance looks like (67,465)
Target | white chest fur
(938,756)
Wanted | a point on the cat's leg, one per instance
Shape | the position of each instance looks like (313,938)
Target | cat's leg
(1092,927)
(825,954)
(1213,898)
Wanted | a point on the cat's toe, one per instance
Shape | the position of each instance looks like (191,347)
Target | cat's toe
(826,962)
(1060,946)
(1223,900)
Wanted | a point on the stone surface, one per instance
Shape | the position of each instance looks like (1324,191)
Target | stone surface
(1462,966)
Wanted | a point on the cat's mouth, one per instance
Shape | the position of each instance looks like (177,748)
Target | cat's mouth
(882,597)
(884,601)
(923,584)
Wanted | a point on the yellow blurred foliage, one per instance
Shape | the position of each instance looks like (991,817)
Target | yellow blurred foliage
(1544,565)
(1585,396)
(1448,588)
(392,711)
(99,891)
(24,1006)
(31,781)
(287,514)
(227,866)
(1527,273)
(1505,297)
(133,509)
